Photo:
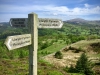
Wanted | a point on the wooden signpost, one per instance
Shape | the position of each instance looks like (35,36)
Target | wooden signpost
(17,41)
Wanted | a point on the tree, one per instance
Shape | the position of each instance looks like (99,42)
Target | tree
(83,65)
(58,55)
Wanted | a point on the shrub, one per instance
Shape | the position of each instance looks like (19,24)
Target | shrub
(45,45)
(11,54)
(70,48)
(5,56)
(66,69)
(58,55)
(21,54)
(78,50)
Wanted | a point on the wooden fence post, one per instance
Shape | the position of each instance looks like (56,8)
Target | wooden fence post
(33,23)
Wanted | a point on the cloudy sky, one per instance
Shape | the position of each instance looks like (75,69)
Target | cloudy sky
(62,9)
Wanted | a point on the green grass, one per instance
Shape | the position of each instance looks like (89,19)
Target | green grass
(19,66)
(53,48)
(54,73)
(76,74)
(45,68)
(14,67)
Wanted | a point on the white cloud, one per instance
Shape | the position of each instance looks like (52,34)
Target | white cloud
(96,10)
(55,14)
(48,10)
(86,5)
(51,9)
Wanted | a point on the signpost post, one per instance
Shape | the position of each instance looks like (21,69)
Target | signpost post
(33,23)
(13,42)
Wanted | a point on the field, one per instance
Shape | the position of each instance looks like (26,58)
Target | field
(72,40)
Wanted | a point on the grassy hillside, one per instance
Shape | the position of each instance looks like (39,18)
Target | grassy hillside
(71,29)
(71,54)
(67,29)
(15,62)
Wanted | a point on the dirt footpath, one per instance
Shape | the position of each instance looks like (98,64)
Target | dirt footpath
(69,58)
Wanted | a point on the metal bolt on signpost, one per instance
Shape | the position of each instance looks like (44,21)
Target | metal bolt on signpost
(17,41)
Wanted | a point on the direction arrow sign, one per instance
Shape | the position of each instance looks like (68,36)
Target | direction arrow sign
(17,41)
(18,22)
(50,23)
(42,22)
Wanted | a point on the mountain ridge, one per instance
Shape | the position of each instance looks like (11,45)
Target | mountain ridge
(83,21)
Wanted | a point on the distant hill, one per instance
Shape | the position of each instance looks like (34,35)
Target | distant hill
(4,24)
(77,20)
(83,21)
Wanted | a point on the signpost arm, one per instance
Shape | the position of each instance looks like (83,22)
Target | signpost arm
(33,23)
